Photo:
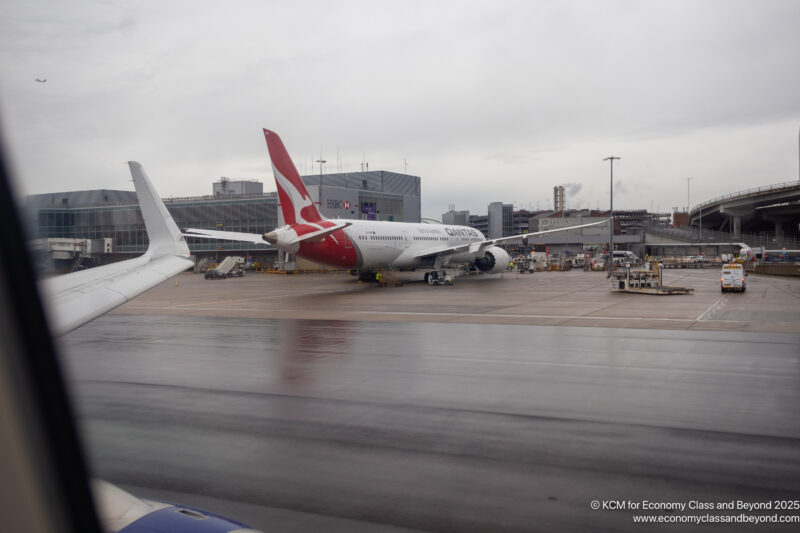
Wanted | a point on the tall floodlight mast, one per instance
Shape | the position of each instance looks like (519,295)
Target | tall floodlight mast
(611,159)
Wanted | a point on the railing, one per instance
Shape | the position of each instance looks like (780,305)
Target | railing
(747,192)
(218,197)
(763,239)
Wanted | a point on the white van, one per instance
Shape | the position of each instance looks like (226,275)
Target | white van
(621,257)
(732,278)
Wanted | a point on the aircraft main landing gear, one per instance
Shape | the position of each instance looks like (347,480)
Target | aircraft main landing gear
(366,276)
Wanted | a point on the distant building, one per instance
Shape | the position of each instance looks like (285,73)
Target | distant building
(119,226)
(456,218)
(500,222)
(632,221)
(561,219)
(558,198)
(507,221)
(371,195)
(93,198)
(228,187)
(577,240)
(520,222)
(113,219)
(680,219)
(480,223)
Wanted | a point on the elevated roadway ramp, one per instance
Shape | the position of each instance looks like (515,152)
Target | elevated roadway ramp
(774,208)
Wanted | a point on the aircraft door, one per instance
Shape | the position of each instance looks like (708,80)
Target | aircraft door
(406,242)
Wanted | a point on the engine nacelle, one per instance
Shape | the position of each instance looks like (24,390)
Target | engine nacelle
(494,261)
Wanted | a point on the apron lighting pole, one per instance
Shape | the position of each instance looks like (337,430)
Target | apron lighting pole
(611,159)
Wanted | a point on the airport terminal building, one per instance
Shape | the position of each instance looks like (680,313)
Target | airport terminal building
(375,195)
(103,226)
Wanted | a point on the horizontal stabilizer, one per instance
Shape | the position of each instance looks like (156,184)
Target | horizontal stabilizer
(319,235)
(255,238)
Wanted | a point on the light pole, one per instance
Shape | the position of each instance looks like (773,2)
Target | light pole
(688,203)
(701,222)
(611,159)
(321,162)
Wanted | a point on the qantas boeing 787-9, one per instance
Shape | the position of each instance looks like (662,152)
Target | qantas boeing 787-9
(366,245)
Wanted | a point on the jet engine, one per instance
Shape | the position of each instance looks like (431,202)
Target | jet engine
(494,261)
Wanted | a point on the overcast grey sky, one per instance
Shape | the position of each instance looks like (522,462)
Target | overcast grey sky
(486,101)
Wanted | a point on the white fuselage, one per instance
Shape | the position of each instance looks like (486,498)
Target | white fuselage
(400,244)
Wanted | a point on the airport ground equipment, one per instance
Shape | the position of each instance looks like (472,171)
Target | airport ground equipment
(201,266)
(539,260)
(564,263)
(389,280)
(229,267)
(732,278)
(691,261)
(438,277)
(646,280)
(525,265)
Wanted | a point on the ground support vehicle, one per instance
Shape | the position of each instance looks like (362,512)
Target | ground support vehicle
(643,281)
(525,265)
(231,266)
(732,278)
(438,277)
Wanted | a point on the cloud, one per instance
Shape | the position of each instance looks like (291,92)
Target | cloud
(509,159)
(474,99)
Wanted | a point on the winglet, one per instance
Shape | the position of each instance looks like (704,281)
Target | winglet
(165,237)
(78,297)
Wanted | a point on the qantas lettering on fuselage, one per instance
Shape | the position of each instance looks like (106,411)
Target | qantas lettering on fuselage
(462,232)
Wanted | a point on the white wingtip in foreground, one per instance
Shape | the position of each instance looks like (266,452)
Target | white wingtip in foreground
(165,237)
(76,298)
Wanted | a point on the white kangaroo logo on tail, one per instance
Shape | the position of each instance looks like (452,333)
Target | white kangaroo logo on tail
(299,202)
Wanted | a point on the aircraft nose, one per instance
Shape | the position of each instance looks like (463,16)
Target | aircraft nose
(271,237)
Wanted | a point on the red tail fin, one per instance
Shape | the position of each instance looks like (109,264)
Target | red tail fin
(296,203)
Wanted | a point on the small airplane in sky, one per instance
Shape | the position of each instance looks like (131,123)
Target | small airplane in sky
(41,81)
(367,245)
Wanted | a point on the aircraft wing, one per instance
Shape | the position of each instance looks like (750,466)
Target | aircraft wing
(74,299)
(477,247)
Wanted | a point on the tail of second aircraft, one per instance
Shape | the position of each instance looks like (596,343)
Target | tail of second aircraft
(296,204)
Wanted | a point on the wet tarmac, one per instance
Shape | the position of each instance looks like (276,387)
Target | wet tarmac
(770,304)
(336,425)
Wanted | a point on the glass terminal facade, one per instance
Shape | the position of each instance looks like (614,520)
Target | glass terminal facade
(115,215)
(125,225)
